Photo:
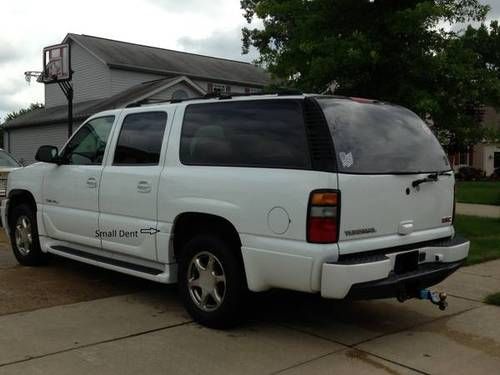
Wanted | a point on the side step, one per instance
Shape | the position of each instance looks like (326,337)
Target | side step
(154,274)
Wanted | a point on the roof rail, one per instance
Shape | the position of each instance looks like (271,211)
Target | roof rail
(222,96)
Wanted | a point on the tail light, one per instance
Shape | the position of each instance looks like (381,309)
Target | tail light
(323,216)
(454,203)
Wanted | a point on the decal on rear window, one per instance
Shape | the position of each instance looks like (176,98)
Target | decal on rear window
(346,159)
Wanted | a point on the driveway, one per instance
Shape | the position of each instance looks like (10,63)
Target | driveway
(72,318)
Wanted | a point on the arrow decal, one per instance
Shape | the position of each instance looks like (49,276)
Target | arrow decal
(150,231)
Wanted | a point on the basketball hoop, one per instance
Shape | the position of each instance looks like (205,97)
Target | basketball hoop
(29,75)
(57,69)
(56,64)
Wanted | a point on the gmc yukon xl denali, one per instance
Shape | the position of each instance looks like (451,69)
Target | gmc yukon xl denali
(346,197)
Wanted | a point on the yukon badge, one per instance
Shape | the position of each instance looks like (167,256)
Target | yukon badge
(356,232)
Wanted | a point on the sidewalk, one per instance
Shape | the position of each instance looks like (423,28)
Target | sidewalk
(478,210)
(291,333)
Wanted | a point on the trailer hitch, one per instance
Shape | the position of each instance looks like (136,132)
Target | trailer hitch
(436,298)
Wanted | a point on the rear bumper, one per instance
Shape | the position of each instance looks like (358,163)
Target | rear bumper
(373,275)
(406,285)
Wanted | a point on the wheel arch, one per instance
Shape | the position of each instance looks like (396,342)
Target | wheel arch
(188,224)
(17,197)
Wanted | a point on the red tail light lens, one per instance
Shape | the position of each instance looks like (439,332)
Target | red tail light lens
(454,203)
(323,217)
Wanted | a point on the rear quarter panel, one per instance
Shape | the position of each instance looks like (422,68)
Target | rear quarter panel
(245,197)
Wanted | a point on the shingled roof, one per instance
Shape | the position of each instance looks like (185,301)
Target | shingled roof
(82,110)
(136,57)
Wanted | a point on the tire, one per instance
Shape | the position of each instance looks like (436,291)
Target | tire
(213,298)
(24,236)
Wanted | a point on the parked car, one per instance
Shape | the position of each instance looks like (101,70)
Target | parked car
(349,198)
(7,164)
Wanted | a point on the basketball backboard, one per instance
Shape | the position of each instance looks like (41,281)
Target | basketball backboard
(56,64)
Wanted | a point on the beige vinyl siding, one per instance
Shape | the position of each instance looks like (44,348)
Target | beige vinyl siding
(24,142)
(122,79)
(91,79)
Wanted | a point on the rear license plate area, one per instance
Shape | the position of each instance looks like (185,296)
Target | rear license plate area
(406,262)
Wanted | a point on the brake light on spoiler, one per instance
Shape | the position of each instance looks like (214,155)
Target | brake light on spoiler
(323,216)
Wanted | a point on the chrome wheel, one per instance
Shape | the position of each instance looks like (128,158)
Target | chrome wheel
(206,281)
(23,236)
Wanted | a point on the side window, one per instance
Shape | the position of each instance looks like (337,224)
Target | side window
(88,145)
(140,139)
(260,133)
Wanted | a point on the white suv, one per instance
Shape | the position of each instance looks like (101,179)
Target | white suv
(346,197)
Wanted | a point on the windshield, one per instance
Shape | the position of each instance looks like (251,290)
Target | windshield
(373,138)
(7,161)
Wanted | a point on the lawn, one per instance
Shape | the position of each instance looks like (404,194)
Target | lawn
(481,192)
(484,234)
(493,299)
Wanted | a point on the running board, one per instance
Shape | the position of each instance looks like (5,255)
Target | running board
(149,273)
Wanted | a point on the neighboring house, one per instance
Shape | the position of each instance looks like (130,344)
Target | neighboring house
(113,74)
(485,155)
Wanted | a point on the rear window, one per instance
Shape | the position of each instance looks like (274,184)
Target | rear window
(260,133)
(381,139)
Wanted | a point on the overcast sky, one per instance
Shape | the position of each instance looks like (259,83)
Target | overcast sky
(203,26)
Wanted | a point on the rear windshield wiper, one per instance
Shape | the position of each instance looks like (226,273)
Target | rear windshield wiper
(433,177)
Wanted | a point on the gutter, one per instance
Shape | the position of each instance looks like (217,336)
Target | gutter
(43,123)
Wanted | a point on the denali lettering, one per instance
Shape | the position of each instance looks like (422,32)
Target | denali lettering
(356,232)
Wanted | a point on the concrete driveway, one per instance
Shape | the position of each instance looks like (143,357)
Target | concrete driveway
(72,318)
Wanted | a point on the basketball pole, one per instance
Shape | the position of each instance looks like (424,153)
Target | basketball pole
(67,89)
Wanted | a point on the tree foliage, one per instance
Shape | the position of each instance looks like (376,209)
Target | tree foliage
(407,52)
(32,107)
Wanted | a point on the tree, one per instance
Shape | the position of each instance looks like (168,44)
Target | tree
(32,107)
(405,52)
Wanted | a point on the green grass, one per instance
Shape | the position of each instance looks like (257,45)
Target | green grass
(484,234)
(483,192)
(493,299)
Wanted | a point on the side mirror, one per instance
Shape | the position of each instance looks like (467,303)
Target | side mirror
(47,154)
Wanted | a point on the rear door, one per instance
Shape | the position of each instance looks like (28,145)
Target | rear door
(394,178)
(129,185)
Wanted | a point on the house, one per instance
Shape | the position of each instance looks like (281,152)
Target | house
(485,155)
(111,74)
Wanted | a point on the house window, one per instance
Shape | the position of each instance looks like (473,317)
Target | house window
(180,94)
(220,89)
(496,160)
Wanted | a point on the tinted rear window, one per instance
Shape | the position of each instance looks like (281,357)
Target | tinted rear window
(261,133)
(378,138)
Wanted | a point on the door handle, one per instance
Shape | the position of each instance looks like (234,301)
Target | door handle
(144,187)
(405,227)
(91,183)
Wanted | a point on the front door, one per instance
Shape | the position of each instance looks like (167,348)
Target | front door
(129,186)
(70,190)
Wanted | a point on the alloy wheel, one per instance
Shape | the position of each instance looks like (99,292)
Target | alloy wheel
(206,281)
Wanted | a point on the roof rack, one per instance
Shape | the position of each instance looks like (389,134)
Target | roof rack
(213,96)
